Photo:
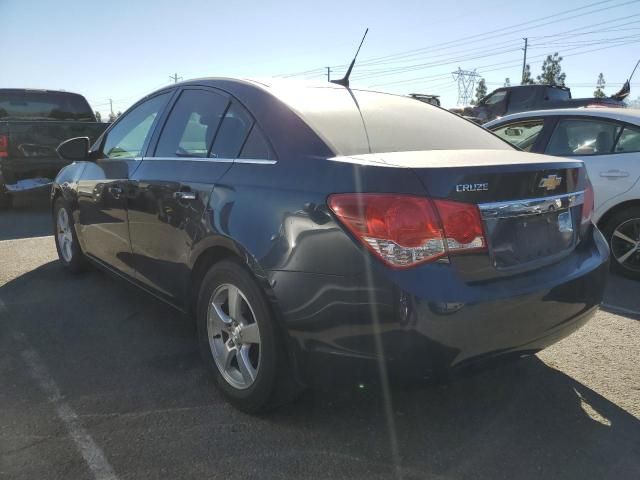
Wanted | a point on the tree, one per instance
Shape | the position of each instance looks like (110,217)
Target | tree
(507,82)
(552,73)
(112,117)
(527,79)
(481,90)
(599,93)
(118,114)
(98,116)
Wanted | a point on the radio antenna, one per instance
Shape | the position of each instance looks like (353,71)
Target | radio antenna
(344,81)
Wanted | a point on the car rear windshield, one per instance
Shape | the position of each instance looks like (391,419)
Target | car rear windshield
(44,106)
(393,123)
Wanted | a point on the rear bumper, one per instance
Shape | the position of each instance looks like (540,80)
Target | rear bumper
(426,320)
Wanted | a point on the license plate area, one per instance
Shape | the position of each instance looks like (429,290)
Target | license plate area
(529,232)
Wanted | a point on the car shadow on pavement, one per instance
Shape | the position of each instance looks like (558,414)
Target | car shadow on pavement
(29,217)
(621,296)
(129,367)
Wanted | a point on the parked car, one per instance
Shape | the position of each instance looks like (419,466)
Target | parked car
(523,98)
(608,141)
(32,125)
(313,231)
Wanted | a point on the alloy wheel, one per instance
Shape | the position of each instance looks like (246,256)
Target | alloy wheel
(625,244)
(234,336)
(65,237)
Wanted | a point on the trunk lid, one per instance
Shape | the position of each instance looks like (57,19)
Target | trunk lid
(531,205)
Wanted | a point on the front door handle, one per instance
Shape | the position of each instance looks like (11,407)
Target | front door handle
(614,173)
(185,195)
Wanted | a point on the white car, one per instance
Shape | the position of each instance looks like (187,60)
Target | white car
(608,141)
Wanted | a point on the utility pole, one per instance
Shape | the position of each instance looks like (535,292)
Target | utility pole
(111,107)
(524,60)
(175,77)
(328,74)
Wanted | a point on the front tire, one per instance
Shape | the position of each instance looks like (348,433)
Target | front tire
(622,231)
(69,252)
(239,340)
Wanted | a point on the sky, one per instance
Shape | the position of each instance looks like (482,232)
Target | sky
(124,49)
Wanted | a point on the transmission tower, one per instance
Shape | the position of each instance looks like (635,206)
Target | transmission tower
(466,83)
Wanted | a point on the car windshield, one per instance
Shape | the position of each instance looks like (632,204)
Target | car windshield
(44,106)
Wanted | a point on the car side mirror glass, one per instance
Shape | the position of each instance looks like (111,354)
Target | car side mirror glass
(74,149)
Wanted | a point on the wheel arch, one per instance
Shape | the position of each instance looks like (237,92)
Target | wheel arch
(217,250)
(609,214)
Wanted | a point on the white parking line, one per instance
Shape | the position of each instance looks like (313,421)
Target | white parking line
(90,451)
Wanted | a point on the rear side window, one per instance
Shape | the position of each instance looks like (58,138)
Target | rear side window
(629,140)
(232,133)
(557,94)
(522,97)
(523,134)
(583,137)
(44,106)
(495,97)
(128,136)
(192,124)
(256,146)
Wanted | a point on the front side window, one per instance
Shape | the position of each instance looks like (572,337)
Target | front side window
(232,132)
(192,124)
(523,134)
(583,137)
(128,136)
(629,140)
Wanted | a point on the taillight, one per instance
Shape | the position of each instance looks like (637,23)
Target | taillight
(587,206)
(405,230)
(4,146)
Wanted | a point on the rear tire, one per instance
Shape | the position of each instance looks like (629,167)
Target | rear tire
(64,233)
(240,342)
(622,231)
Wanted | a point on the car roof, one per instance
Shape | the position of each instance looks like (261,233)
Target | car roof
(353,121)
(37,90)
(629,115)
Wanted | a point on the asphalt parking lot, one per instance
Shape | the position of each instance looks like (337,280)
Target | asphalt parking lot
(98,380)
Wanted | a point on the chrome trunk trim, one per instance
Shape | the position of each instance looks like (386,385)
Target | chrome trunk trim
(531,206)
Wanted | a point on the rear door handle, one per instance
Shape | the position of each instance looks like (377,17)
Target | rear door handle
(614,174)
(185,195)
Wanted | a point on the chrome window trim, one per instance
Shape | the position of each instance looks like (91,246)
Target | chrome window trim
(255,161)
(530,206)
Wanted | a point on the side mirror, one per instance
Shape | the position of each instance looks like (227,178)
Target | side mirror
(74,149)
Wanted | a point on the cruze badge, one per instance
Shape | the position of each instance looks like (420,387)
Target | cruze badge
(472,187)
(551,182)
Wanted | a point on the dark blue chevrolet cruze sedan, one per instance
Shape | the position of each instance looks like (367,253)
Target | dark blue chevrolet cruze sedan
(317,230)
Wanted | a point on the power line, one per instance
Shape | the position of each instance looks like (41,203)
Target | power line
(507,64)
(502,31)
(406,55)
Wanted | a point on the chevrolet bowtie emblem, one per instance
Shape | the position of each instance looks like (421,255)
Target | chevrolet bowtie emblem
(551,182)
